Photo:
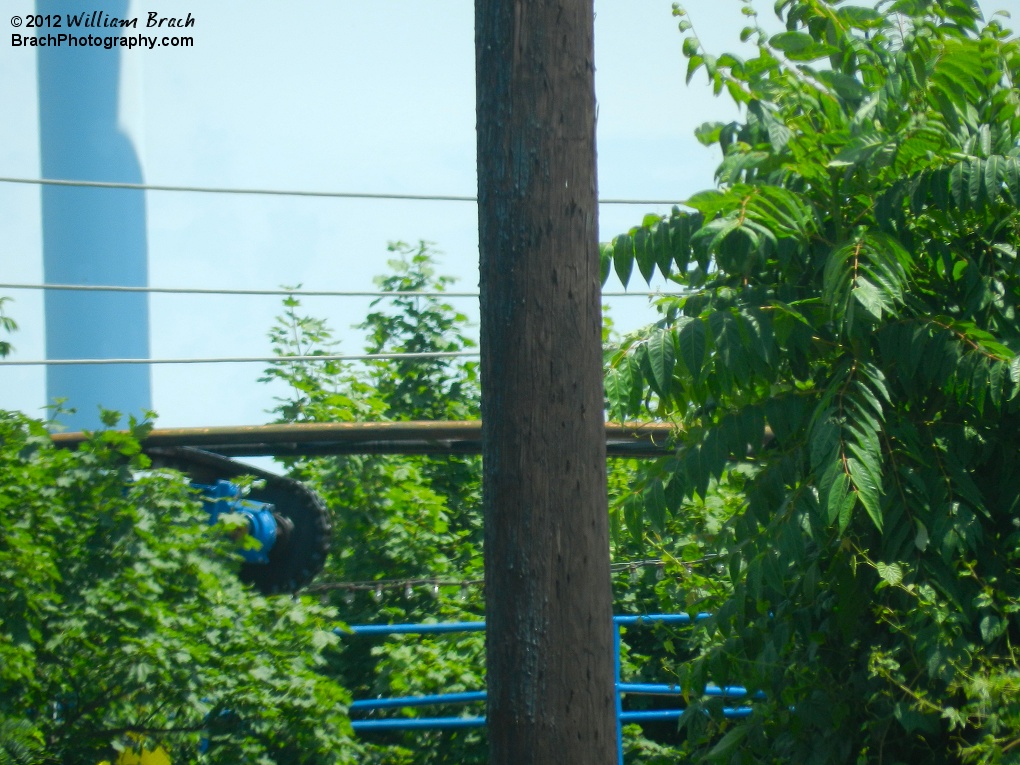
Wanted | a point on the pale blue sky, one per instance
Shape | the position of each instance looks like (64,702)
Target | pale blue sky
(331,95)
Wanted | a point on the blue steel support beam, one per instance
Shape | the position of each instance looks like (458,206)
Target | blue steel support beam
(91,235)
(441,723)
(662,689)
(674,714)
(479,626)
(648,619)
(619,697)
(418,701)
(419,723)
(434,723)
(412,629)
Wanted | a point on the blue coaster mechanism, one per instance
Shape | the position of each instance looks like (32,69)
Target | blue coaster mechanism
(289,521)
(264,523)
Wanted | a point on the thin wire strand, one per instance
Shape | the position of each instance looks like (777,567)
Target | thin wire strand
(292,193)
(620,567)
(212,291)
(245,359)
(278,292)
(390,584)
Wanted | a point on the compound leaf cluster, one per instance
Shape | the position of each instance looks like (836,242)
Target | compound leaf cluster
(847,328)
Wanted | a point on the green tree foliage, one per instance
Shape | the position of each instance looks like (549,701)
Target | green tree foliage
(123,623)
(424,389)
(407,529)
(850,333)
(7,325)
(664,562)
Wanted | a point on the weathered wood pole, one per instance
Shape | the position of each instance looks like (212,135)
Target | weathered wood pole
(547,579)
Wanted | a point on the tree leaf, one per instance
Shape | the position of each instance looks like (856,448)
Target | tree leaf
(661,359)
(663,248)
(605,262)
(845,85)
(692,342)
(655,506)
(991,628)
(623,257)
(792,42)
(682,225)
(644,254)
(891,573)
(921,539)
(860,17)
(618,391)
(868,490)
(728,743)
(633,515)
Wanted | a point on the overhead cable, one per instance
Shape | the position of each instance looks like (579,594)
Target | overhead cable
(292,193)
(434,585)
(213,291)
(246,359)
(281,292)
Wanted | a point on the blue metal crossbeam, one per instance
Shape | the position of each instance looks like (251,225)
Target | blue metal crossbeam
(419,723)
(674,714)
(711,690)
(412,629)
(418,701)
(440,723)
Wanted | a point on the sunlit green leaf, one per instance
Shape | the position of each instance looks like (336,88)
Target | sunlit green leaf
(661,358)
(692,343)
(644,253)
(623,257)
(890,573)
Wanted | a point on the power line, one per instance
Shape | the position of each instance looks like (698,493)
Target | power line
(281,292)
(245,359)
(213,291)
(434,584)
(223,190)
(292,193)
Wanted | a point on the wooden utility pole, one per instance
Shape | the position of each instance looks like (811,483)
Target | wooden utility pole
(547,580)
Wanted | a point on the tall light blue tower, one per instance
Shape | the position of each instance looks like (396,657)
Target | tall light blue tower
(91,236)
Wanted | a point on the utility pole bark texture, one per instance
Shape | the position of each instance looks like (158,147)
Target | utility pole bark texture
(547,579)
